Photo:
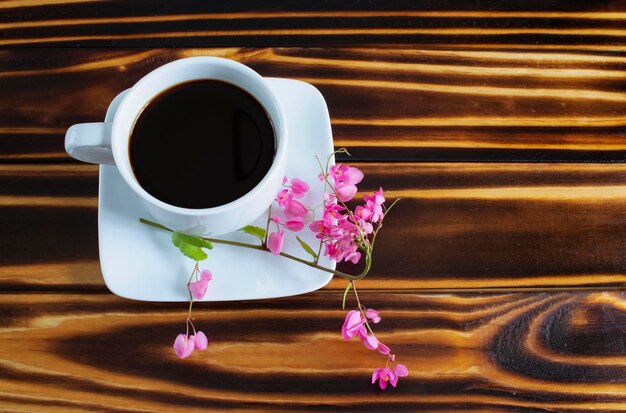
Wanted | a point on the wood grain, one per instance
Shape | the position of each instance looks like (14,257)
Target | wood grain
(477,352)
(458,225)
(556,23)
(514,83)
(440,81)
(393,104)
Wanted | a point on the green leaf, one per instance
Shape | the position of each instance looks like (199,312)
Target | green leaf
(307,248)
(194,240)
(188,249)
(345,294)
(256,231)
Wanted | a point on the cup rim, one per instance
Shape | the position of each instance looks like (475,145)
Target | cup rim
(278,124)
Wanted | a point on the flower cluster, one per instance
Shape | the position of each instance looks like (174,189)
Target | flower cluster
(293,210)
(357,324)
(344,234)
(185,344)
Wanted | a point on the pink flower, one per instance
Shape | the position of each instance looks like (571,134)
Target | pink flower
(295,209)
(295,224)
(321,177)
(372,211)
(184,346)
(283,198)
(206,275)
(338,238)
(362,213)
(299,188)
(338,233)
(200,340)
(384,375)
(375,211)
(332,209)
(345,191)
(353,257)
(376,197)
(352,324)
(369,340)
(276,219)
(333,252)
(337,171)
(373,315)
(275,242)
(345,174)
(317,226)
(366,227)
(284,180)
(198,288)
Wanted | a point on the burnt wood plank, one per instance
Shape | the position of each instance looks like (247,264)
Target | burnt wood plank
(458,225)
(144,23)
(393,104)
(477,352)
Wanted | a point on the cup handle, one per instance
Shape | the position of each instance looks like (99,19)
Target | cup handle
(90,142)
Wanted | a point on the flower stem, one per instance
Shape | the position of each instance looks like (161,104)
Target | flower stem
(356,295)
(267,226)
(195,269)
(368,257)
(361,307)
(319,252)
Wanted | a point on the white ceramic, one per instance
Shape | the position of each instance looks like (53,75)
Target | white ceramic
(140,262)
(107,143)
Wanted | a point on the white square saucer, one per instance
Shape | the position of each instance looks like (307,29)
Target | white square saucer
(139,262)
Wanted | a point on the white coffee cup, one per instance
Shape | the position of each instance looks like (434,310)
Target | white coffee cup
(107,143)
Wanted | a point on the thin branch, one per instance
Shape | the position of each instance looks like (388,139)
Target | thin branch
(368,257)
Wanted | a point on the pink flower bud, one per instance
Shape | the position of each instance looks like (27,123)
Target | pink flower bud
(373,315)
(383,349)
(275,242)
(401,370)
(295,224)
(184,346)
(299,188)
(295,209)
(200,340)
(345,192)
(352,176)
(198,288)
(369,340)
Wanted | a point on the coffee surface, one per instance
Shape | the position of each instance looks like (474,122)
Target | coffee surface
(201,144)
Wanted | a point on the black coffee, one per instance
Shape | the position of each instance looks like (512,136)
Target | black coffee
(201,144)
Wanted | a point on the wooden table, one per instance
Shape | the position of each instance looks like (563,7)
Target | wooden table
(499,275)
